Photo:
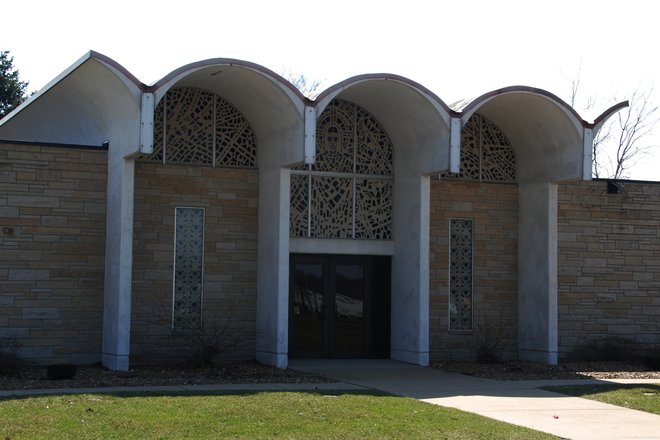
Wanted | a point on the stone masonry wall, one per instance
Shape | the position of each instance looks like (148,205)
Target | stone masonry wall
(230,199)
(52,244)
(608,268)
(494,208)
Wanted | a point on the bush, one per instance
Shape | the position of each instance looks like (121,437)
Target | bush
(492,339)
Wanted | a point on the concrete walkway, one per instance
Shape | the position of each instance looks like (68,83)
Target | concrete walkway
(517,402)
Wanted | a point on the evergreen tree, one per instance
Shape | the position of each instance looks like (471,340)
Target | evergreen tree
(12,89)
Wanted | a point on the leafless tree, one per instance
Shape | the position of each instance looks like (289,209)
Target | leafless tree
(626,137)
(308,87)
(629,132)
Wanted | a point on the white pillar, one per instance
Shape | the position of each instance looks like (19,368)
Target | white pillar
(118,262)
(410,270)
(537,272)
(273,268)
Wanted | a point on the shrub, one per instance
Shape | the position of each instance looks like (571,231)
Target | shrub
(492,339)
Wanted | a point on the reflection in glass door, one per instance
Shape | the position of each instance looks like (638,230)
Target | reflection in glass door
(349,286)
(337,308)
(309,323)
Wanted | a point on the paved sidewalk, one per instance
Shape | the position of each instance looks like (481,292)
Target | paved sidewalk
(517,402)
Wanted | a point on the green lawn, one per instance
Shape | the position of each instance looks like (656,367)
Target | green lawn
(290,415)
(641,397)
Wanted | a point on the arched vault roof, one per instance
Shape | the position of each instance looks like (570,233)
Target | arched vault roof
(547,134)
(268,101)
(416,120)
(92,101)
(96,99)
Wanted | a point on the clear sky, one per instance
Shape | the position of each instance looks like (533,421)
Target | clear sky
(457,49)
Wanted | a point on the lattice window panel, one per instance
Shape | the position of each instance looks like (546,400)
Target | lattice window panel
(373,210)
(300,205)
(486,154)
(332,207)
(498,162)
(192,126)
(188,268)
(189,122)
(335,138)
(461,248)
(235,143)
(374,149)
(347,193)
(159,133)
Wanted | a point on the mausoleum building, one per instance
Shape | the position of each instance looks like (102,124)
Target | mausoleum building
(221,209)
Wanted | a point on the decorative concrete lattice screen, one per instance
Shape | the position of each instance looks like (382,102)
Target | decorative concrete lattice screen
(486,154)
(192,126)
(460,273)
(188,268)
(347,193)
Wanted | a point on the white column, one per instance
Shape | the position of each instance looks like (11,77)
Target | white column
(273,268)
(410,270)
(118,262)
(537,272)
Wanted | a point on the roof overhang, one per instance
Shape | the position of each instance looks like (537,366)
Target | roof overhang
(93,101)
(268,101)
(545,132)
(416,120)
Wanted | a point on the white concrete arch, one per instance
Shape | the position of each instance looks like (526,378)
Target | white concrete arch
(545,132)
(416,120)
(274,107)
(548,137)
(93,101)
(276,111)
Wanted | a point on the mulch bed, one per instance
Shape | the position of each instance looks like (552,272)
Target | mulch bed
(568,370)
(251,372)
(248,372)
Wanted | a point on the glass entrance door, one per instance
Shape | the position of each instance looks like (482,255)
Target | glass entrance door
(332,307)
(307,314)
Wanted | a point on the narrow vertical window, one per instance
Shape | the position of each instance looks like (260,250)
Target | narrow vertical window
(188,268)
(460,273)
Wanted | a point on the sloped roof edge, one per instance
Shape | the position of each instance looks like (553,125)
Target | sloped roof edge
(90,55)
(609,112)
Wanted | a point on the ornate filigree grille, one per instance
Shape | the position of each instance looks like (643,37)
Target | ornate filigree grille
(188,268)
(486,154)
(192,126)
(460,274)
(347,193)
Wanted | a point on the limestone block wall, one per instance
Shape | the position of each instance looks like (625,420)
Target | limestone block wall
(230,199)
(494,208)
(609,266)
(52,244)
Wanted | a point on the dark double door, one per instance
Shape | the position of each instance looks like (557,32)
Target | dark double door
(339,306)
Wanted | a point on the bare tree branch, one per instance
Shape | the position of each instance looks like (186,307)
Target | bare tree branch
(308,87)
(624,139)
(635,125)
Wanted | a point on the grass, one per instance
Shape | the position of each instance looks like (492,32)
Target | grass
(290,415)
(640,397)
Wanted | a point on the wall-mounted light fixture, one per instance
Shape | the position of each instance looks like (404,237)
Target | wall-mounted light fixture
(613,187)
